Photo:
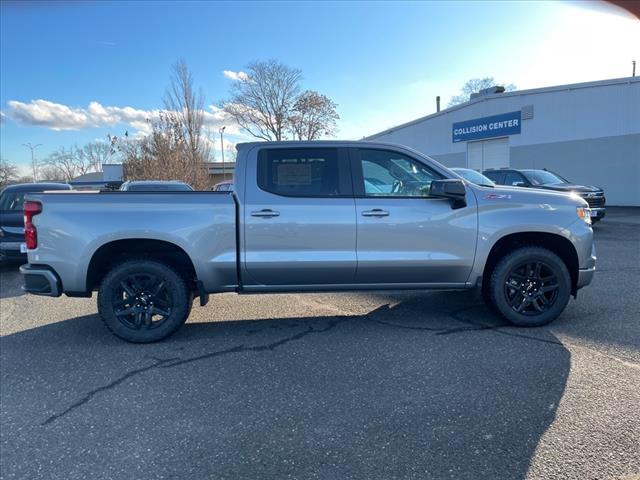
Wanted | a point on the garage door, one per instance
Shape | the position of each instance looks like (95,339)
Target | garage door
(488,154)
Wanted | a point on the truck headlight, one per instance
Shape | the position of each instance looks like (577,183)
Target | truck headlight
(585,214)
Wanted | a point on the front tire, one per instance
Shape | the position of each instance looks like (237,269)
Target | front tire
(143,301)
(530,287)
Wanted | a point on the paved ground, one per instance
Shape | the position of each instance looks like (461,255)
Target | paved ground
(411,385)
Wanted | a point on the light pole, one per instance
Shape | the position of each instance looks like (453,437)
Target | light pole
(224,172)
(34,165)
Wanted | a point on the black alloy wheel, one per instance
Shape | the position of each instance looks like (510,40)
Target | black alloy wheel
(531,288)
(142,301)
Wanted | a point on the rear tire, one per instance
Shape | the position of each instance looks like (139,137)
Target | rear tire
(530,287)
(143,301)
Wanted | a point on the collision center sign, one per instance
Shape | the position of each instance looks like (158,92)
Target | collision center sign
(487,127)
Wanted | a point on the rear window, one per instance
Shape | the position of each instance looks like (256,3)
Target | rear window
(301,172)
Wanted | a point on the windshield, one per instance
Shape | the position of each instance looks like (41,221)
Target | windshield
(473,176)
(543,177)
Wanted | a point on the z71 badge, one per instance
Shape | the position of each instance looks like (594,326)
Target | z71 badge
(497,196)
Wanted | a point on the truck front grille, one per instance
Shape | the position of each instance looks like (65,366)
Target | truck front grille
(595,202)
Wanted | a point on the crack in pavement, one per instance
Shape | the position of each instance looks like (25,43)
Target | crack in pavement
(176,361)
(332,323)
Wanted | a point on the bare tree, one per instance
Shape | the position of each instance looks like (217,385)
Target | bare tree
(66,164)
(230,153)
(50,174)
(63,162)
(261,101)
(473,86)
(313,115)
(176,148)
(187,107)
(94,154)
(8,172)
(163,155)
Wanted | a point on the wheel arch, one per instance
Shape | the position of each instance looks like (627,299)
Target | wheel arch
(117,251)
(556,243)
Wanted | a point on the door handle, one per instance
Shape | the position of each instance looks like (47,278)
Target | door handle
(265,212)
(376,212)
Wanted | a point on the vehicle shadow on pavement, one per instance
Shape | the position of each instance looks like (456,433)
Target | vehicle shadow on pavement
(10,282)
(391,394)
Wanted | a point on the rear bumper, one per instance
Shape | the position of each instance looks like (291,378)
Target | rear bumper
(40,280)
(11,251)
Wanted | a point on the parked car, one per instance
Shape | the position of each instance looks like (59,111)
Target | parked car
(473,176)
(12,220)
(548,180)
(302,218)
(224,186)
(155,186)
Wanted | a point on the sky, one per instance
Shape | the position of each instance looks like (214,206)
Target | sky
(74,72)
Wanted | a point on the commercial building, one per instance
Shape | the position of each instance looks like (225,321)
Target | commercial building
(219,171)
(588,133)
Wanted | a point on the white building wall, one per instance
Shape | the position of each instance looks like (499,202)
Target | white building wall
(587,111)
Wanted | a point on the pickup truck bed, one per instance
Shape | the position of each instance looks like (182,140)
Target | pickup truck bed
(202,224)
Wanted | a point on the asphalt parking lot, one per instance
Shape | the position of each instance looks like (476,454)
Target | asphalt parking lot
(390,385)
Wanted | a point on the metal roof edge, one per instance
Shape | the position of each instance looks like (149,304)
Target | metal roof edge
(531,91)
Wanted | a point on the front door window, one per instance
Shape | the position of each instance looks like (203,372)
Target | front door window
(391,174)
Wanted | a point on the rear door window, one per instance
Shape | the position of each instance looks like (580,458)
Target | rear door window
(304,172)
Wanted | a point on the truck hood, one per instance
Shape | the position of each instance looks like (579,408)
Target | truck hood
(504,194)
(569,187)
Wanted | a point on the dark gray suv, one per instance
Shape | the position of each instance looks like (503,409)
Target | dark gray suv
(548,180)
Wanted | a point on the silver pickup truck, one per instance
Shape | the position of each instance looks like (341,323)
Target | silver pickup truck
(309,217)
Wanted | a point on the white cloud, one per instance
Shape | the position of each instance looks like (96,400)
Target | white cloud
(235,75)
(56,116)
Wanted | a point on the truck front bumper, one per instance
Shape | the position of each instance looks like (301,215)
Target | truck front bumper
(585,275)
(40,280)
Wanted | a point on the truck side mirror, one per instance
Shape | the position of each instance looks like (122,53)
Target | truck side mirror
(451,188)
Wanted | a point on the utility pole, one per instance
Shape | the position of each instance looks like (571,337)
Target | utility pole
(224,172)
(633,62)
(34,164)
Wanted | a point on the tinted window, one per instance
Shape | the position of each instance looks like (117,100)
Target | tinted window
(473,176)
(494,176)
(311,172)
(12,200)
(513,177)
(391,174)
(542,177)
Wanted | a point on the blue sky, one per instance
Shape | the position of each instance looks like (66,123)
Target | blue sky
(382,62)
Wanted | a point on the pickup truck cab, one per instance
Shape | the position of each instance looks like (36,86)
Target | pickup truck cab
(308,217)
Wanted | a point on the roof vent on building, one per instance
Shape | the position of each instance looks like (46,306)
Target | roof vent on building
(527,112)
(488,91)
